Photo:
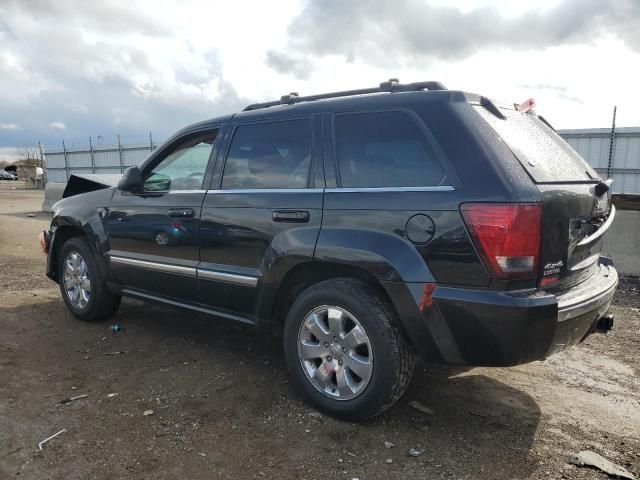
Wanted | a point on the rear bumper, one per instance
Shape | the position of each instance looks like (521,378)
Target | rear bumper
(579,309)
(461,326)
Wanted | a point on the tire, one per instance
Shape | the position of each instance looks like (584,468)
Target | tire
(389,359)
(100,303)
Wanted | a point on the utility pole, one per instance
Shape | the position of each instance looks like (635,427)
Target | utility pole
(612,143)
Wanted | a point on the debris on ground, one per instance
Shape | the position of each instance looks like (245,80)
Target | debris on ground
(51,437)
(146,413)
(592,459)
(31,215)
(120,352)
(115,328)
(389,445)
(421,407)
(72,399)
(416,452)
(389,460)
(111,395)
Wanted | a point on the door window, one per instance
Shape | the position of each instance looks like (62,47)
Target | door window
(384,149)
(183,166)
(269,155)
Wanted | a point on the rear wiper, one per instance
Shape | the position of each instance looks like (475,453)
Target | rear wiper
(602,187)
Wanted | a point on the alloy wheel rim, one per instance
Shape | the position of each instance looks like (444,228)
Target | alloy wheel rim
(335,352)
(77,285)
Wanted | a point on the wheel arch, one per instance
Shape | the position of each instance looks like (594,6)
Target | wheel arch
(303,275)
(64,228)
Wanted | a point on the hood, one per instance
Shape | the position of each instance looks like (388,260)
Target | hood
(78,184)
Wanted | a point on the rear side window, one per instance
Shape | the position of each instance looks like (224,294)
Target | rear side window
(384,149)
(269,155)
(540,150)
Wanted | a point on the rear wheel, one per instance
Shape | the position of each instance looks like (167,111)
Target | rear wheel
(82,284)
(344,350)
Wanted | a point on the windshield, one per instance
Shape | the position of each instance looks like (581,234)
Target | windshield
(542,152)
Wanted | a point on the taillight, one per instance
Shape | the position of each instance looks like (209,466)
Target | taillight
(507,236)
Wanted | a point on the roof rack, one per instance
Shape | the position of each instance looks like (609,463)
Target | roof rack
(390,86)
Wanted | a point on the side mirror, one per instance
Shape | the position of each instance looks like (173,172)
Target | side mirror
(131,180)
(157,182)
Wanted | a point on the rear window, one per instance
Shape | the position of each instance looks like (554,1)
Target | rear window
(384,149)
(540,150)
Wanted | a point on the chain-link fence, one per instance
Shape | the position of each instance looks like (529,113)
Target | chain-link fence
(595,145)
(61,163)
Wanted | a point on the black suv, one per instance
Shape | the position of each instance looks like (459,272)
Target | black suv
(365,226)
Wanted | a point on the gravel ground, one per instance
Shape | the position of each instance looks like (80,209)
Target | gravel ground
(223,407)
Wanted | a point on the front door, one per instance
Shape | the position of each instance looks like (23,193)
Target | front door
(264,207)
(153,235)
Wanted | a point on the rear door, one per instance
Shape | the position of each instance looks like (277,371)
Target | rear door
(264,208)
(153,235)
(574,216)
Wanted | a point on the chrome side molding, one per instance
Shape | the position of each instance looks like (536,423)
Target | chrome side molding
(162,267)
(244,280)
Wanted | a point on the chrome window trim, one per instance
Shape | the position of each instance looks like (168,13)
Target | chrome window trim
(171,192)
(162,267)
(227,277)
(267,190)
(436,188)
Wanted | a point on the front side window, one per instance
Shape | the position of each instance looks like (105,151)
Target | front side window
(384,149)
(183,166)
(269,155)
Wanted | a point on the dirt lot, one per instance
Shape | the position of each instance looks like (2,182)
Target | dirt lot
(223,407)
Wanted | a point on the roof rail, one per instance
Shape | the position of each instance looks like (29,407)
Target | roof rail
(391,86)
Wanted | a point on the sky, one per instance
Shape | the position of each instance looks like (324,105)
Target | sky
(74,69)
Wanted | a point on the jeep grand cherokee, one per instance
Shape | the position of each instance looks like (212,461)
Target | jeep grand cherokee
(366,226)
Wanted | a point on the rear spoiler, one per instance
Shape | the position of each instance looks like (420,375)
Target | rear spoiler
(78,184)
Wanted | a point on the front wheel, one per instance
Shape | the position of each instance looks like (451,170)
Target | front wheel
(344,350)
(82,285)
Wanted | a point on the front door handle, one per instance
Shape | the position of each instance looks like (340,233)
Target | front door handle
(181,212)
(291,216)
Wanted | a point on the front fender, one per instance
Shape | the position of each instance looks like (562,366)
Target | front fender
(80,214)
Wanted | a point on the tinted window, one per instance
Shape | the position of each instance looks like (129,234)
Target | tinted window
(183,165)
(269,155)
(384,149)
(541,151)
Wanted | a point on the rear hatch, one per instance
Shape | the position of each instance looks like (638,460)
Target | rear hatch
(575,210)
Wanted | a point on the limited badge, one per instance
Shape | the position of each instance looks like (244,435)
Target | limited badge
(552,268)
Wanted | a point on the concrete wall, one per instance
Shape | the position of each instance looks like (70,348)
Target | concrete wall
(622,242)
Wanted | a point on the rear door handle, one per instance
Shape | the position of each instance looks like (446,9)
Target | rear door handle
(291,216)
(181,212)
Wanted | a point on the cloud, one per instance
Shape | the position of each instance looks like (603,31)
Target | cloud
(284,63)
(9,126)
(57,126)
(9,154)
(409,32)
(103,68)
